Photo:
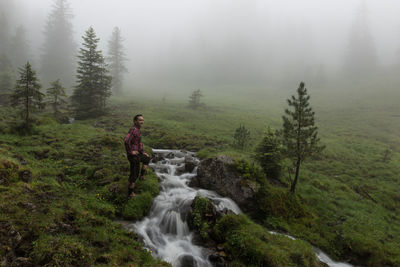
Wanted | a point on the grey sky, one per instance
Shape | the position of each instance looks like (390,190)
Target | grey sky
(164,37)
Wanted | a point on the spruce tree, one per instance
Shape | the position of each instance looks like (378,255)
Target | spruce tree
(4,33)
(269,154)
(59,48)
(56,95)
(299,133)
(361,58)
(27,93)
(6,76)
(19,49)
(93,82)
(116,60)
(241,137)
(194,99)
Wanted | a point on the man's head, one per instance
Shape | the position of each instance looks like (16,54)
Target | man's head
(138,120)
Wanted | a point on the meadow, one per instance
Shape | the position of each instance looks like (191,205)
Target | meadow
(66,183)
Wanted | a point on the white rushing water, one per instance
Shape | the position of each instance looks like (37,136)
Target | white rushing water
(165,231)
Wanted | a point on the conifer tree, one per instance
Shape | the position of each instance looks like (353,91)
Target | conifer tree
(361,58)
(299,133)
(194,99)
(59,48)
(4,33)
(116,59)
(56,95)
(6,75)
(269,154)
(27,93)
(93,82)
(19,49)
(241,137)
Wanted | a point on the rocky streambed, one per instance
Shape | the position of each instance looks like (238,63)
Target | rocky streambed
(165,231)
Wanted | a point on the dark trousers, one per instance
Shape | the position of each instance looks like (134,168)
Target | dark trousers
(135,161)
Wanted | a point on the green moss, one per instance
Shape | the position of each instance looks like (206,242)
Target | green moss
(150,184)
(250,171)
(253,245)
(201,213)
(61,250)
(279,202)
(138,206)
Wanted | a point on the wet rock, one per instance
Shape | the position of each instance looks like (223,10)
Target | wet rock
(190,163)
(217,260)
(156,158)
(187,261)
(170,155)
(219,174)
(179,154)
(180,169)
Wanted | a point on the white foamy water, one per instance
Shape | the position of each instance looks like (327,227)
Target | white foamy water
(165,230)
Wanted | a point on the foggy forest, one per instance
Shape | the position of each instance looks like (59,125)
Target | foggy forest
(199,133)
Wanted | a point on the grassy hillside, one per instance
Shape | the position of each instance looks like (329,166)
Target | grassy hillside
(62,187)
(350,191)
(61,190)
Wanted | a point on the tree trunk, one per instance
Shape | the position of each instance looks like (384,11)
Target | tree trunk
(293,187)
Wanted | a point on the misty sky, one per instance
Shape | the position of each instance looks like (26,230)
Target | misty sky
(193,39)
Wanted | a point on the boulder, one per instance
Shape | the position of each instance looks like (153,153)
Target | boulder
(219,174)
(190,163)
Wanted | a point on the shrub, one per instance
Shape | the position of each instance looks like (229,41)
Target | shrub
(241,137)
(253,245)
(278,203)
(268,154)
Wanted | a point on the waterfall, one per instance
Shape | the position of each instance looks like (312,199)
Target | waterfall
(165,231)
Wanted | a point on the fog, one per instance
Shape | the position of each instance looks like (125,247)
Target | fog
(245,44)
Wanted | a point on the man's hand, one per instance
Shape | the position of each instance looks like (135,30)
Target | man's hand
(135,153)
(147,155)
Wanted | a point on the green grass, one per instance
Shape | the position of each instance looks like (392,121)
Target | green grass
(61,189)
(77,174)
(350,195)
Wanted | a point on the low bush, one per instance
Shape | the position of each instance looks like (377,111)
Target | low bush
(253,245)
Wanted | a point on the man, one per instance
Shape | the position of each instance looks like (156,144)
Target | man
(135,153)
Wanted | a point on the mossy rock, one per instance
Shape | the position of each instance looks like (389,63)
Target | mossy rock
(138,206)
(252,245)
(279,202)
(202,216)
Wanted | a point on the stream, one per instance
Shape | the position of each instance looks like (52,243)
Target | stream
(165,231)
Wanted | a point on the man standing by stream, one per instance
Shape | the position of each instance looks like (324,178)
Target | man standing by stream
(135,153)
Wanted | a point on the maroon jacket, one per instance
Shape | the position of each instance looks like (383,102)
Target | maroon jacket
(133,141)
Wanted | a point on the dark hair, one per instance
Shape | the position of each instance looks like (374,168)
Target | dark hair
(137,116)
